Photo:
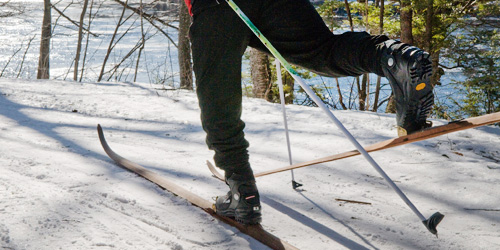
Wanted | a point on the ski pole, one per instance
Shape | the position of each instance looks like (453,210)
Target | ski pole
(295,184)
(430,223)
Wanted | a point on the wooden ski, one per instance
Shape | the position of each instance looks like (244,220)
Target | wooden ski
(417,136)
(255,231)
(398,141)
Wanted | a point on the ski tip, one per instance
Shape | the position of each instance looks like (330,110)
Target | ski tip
(433,221)
(214,171)
(99,131)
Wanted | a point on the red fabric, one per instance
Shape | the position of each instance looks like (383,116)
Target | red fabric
(188,4)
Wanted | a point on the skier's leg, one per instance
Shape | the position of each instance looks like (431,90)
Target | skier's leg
(218,43)
(298,32)
(219,40)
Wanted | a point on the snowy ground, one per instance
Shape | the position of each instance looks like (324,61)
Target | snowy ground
(58,189)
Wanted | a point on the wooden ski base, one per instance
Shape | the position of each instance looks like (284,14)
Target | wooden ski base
(255,231)
(417,136)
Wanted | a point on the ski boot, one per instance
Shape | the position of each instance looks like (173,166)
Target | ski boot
(409,72)
(242,202)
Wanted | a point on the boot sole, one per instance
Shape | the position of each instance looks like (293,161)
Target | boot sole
(245,218)
(422,97)
(255,219)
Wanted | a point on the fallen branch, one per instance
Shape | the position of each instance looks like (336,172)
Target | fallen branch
(352,201)
(482,209)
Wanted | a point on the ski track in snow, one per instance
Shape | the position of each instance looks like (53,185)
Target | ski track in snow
(59,190)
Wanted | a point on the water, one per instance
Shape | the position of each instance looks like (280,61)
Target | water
(158,64)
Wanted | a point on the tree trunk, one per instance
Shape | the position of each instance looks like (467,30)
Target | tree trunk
(363,93)
(436,73)
(381,17)
(261,73)
(184,48)
(288,86)
(348,10)
(428,26)
(43,60)
(406,22)
(391,105)
(377,94)
(381,31)
(341,101)
(365,89)
(79,43)
(406,37)
(358,85)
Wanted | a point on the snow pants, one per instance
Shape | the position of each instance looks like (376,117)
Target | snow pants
(219,39)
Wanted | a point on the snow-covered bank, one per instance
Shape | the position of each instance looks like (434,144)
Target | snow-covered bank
(58,190)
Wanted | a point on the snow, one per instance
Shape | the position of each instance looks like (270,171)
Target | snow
(59,190)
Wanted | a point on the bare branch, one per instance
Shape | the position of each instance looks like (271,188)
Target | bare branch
(459,65)
(79,42)
(8,62)
(88,37)
(142,45)
(150,19)
(9,9)
(4,4)
(73,22)
(24,56)
(139,45)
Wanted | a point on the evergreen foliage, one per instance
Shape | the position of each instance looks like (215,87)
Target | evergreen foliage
(477,52)
(461,34)
(473,46)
